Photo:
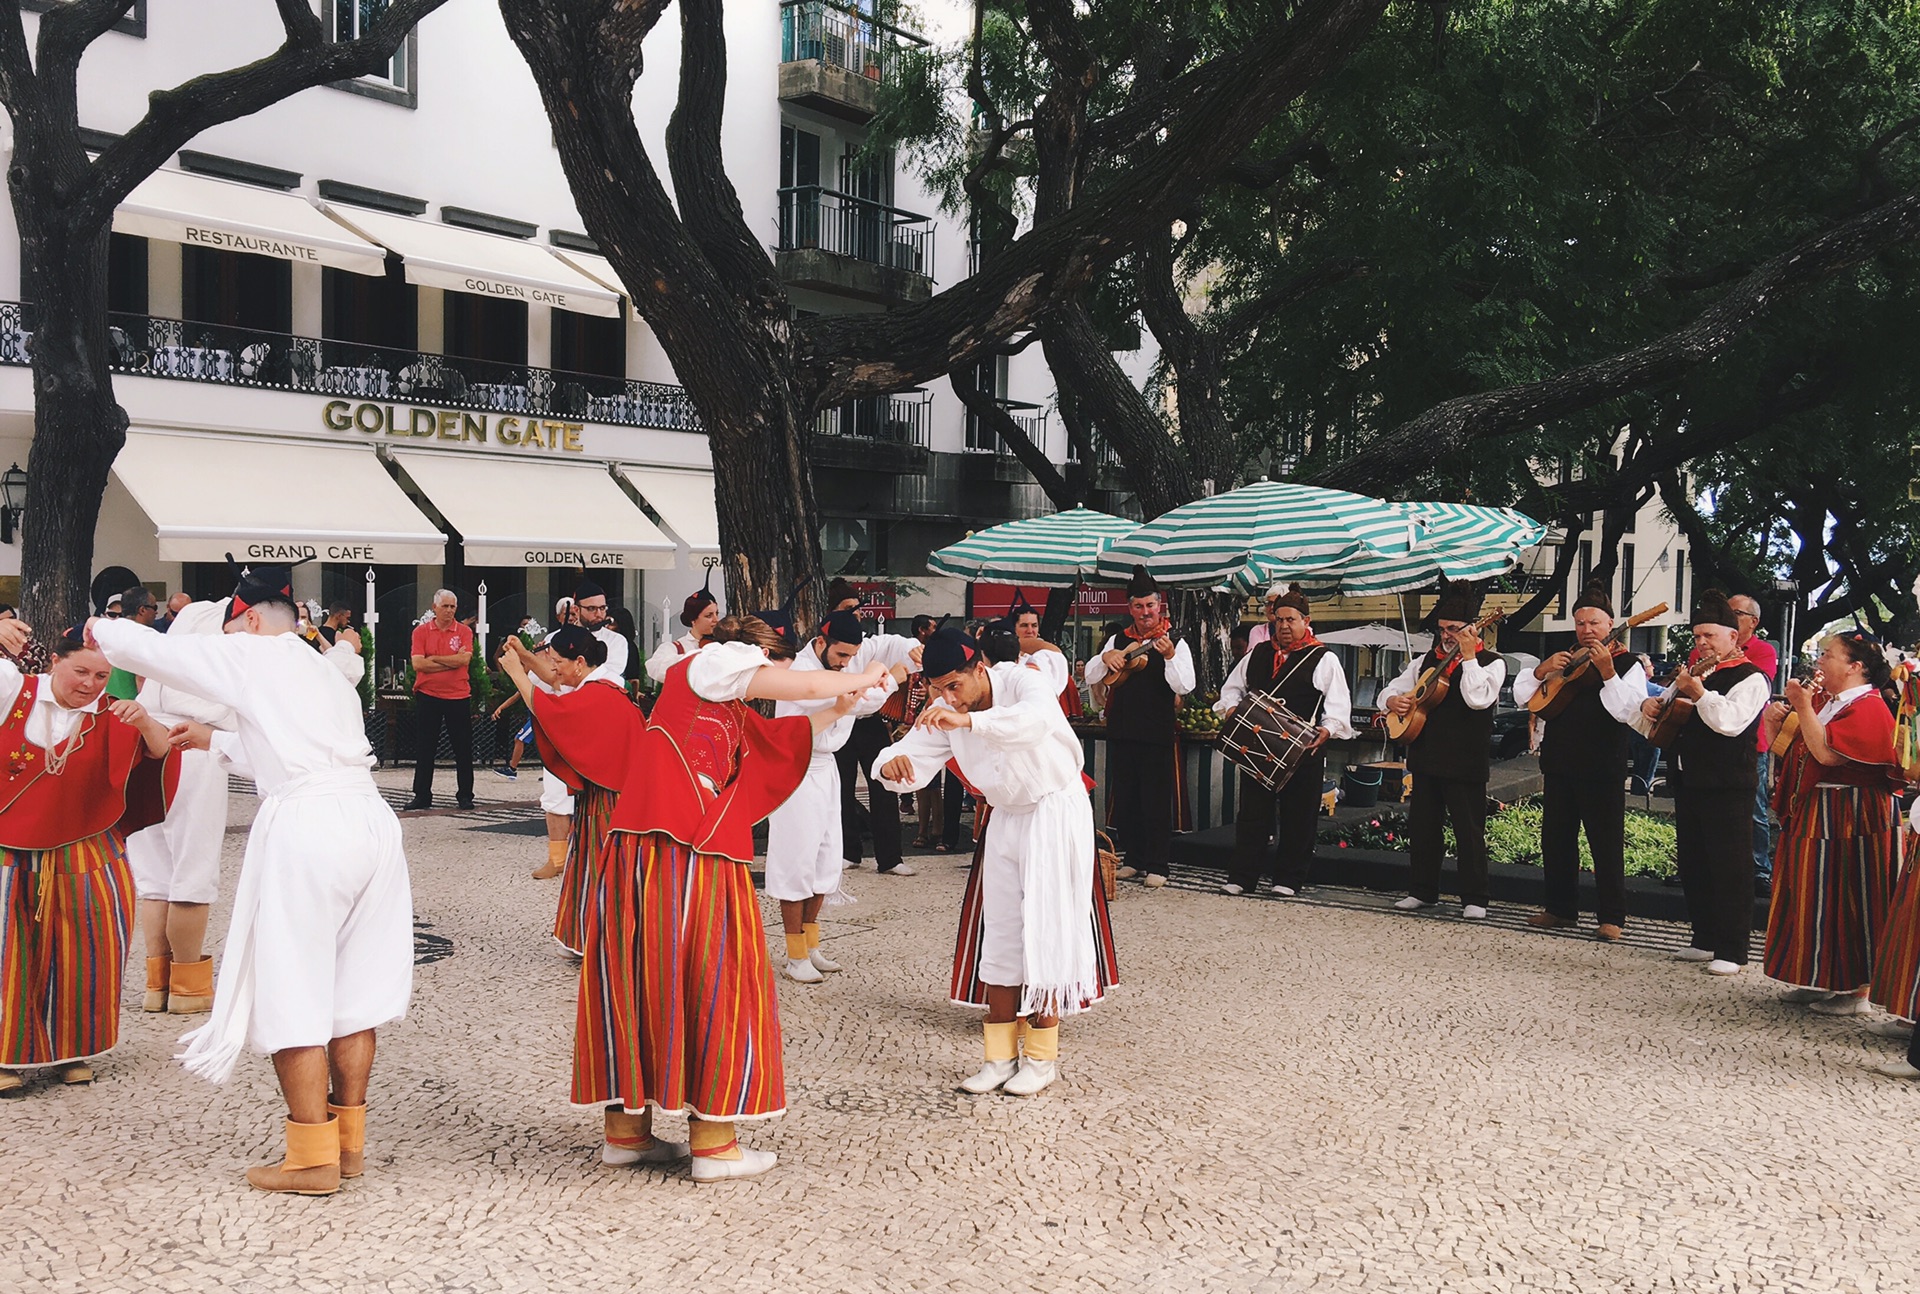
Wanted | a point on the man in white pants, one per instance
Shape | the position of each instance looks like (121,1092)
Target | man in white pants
(320,949)
(1037,956)
(804,864)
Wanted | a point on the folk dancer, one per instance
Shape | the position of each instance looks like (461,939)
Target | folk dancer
(1026,628)
(1583,761)
(699,614)
(1145,669)
(880,817)
(1833,875)
(1035,952)
(1450,759)
(1294,665)
(319,952)
(80,774)
(803,834)
(677,1007)
(1713,771)
(1896,960)
(929,803)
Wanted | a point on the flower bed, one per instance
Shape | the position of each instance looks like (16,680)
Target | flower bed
(1513,836)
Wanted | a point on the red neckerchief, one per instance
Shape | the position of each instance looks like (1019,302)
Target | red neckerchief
(1305,644)
(1738,658)
(1147,637)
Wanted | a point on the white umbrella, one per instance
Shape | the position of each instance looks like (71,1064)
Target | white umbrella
(1373,635)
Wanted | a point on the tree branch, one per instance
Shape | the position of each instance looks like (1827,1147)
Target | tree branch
(67,29)
(19,92)
(709,205)
(1032,457)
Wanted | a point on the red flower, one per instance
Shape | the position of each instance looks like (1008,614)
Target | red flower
(1343,844)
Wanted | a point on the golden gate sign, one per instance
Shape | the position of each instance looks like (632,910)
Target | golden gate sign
(419,423)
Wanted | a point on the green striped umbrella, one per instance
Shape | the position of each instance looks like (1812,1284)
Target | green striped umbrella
(1248,538)
(1458,541)
(1052,551)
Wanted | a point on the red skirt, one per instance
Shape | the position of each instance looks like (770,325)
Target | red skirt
(65,918)
(677,1006)
(592,813)
(1896,965)
(1832,882)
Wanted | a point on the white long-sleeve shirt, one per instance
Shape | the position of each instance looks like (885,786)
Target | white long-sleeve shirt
(834,736)
(1728,713)
(1620,695)
(669,653)
(1479,685)
(294,712)
(1017,751)
(1180,676)
(1336,710)
(614,668)
(50,723)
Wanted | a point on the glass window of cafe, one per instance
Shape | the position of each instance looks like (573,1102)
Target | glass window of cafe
(589,344)
(236,289)
(369,310)
(486,328)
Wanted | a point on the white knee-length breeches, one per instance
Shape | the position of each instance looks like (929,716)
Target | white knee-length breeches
(803,837)
(179,859)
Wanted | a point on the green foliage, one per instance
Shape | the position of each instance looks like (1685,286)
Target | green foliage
(1513,837)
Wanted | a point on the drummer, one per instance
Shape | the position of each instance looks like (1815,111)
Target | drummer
(1290,665)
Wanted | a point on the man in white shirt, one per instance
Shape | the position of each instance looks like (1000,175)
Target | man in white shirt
(320,949)
(590,602)
(1293,665)
(1145,668)
(1451,757)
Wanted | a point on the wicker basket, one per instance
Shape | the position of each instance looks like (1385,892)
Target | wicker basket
(1108,863)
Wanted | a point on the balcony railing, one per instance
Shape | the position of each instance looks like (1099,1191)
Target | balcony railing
(150,346)
(812,217)
(895,420)
(853,42)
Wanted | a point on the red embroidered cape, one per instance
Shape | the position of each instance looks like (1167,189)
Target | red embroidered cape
(601,736)
(109,781)
(1863,734)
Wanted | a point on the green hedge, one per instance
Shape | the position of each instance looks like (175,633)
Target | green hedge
(1513,836)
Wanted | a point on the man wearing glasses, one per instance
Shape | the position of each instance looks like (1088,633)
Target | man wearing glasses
(590,604)
(1767,660)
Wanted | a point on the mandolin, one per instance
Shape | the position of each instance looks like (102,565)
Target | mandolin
(1435,682)
(1673,710)
(1133,660)
(1557,690)
(1790,726)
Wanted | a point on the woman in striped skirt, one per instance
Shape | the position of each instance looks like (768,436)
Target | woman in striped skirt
(677,1008)
(1834,870)
(1896,964)
(76,777)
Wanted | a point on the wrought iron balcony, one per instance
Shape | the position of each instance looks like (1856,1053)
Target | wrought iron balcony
(151,346)
(885,433)
(833,59)
(839,243)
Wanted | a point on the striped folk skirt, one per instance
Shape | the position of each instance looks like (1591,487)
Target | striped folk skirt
(65,918)
(592,814)
(1832,882)
(677,1005)
(1896,963)
(966,988)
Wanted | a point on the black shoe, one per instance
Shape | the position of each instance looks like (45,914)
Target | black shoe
(416,804)
(464,804)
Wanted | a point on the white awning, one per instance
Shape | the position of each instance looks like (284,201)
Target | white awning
(594,266)
(272,500)
(181,208)
(465,260)
(683,499)
(520,512)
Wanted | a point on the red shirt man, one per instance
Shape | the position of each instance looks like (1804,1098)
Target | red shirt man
(449,683)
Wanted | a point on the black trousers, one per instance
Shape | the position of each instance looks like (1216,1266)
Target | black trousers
(869,737)
(1713,844)
(1434,801)
(1297,808)
(429,713)
(1575,801)
(1140,782)
(951,793)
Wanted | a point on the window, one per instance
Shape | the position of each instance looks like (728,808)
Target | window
(990,375)
(127,275)
(346,20)
(133,24)
(237,290)
(368,310)
(1680,580)
(799,170)
(486,328)
(589,344)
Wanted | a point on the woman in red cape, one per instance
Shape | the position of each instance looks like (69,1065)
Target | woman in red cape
(677,1008)
(76,778)
(1834,871)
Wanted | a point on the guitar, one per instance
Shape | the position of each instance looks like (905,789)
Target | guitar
(1133,660)
(1435,682)
(1673,710)
(1557,690)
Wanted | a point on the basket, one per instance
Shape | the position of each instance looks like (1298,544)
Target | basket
(1107,864)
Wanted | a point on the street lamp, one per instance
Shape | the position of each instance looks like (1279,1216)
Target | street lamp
(1789,591)
(13,501)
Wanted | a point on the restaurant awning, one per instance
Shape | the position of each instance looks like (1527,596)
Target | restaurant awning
(203,212)
(272,501)
(465,260)
(594,266)
(514,512)
(684,500)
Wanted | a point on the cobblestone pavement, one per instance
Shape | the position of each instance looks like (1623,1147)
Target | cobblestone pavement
(1282,1096)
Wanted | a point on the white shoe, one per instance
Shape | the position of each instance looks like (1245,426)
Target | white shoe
(751,1163)
(1693,955)
(1843,1004)
(1284,891)
(1153,880)
(1034,1075)
(1896,1069)
(1891,1027)
(661,1151)
(1718,967)
(1805,996)
(1231,888)
(1411,904)
(994,1074)
(1125,873)
(902,869)
(804,972)
(822,962)
(1473,912)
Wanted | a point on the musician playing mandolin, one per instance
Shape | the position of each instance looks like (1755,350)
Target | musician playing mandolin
(1450,757)
(1713,777)
(1292,664)
(1583,760)
(1145,667)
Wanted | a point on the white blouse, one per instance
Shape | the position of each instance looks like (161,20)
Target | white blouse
(50,722)
(724,671)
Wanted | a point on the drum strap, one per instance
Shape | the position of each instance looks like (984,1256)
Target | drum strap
(1313,718)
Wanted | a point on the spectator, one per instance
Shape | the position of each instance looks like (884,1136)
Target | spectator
(634,673)
(339,616)
(442,692)
(175,605)
(1765,659)
(135,604)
